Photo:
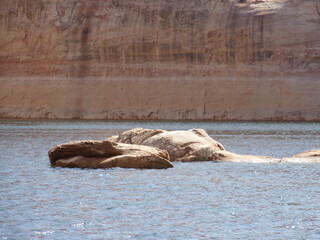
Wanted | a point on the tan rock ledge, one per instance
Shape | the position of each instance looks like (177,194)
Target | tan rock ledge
(106,154)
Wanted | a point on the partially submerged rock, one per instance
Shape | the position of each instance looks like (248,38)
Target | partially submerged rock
(225,156)
(87,148)
(196,145)
(312,156)
(184,146)
(106,154)
(309,154)
(155,148)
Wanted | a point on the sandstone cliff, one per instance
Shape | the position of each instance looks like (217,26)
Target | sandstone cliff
(160,59)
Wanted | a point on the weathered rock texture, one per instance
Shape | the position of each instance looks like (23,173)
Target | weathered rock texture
(106,154)
(186,146)
(155,148)
(226,156)
(183,146)
(160,59)
(196,145)
(312,156)
(309,154)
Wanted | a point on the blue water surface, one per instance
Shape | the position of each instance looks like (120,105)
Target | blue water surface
(203,200)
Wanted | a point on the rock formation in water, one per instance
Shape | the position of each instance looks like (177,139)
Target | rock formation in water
(186,146)
(312,156)
(155,148)
(106,154)
(196,145)
(309,154)
(160,59)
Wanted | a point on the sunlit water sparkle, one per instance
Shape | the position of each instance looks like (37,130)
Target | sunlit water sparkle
(190,201)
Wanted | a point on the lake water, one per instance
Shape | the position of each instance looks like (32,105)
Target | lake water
(190,201)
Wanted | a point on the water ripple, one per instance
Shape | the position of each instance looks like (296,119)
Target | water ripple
(190,201)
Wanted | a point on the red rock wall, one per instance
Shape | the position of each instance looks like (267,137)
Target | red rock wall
(160,59)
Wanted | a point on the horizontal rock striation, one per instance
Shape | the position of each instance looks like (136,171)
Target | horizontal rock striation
(106,154)
(160,59)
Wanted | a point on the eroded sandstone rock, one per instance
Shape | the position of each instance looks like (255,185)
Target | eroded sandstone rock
(154,148)
(196,145)
(187,146)
(184,146)
(136,135)
(87,148)
(225,156)
(106,154)
(312,156)
(309,154)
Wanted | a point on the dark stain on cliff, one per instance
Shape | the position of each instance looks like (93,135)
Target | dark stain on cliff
(258,39)
(84,50)
(32,7)
(183,42)
(231,38)
(85,18)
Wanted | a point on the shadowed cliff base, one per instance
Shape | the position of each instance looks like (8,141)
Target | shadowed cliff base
(186,60)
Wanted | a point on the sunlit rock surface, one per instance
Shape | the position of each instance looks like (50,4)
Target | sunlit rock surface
(186,146)
(226,156)
(312,153)
(312,156)
(105,154)
(160,59)
(196,145)
(154,149)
